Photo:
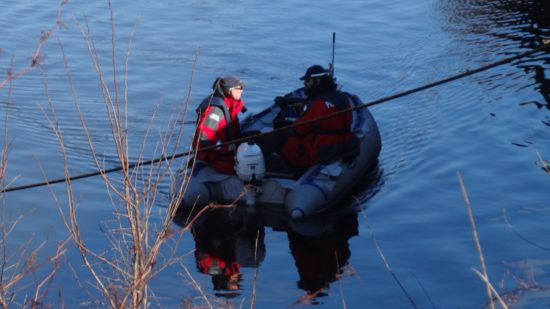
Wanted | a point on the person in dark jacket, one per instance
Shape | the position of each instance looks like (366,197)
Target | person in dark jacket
(327,139)
(218,122)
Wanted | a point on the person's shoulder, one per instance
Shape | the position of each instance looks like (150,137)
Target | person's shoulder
(213,115)
(215,109)
(209,101)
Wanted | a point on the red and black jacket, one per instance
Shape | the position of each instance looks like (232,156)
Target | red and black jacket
(218,123)
(323,140)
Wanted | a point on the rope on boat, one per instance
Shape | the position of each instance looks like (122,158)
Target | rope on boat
(545,46)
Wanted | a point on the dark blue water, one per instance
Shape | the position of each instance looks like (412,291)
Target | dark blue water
(491,128)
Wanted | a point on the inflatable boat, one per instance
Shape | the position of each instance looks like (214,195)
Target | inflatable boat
(267,181)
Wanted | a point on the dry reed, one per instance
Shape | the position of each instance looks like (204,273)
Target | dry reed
(489,287)
(122,273)
(20,263)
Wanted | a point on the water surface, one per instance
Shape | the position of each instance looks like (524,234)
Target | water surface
(492,128)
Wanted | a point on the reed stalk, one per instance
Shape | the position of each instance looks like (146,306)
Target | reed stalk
(123,273)
(488,286)
(20,263)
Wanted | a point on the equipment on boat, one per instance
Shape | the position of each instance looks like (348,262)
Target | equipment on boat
(268,181)
(250,168)
(249,162)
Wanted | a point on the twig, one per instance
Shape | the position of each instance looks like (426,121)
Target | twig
(73,222)
(518,234)
(476,238)
(47,280)
(386,264)
(306,298)
(342,299)
(254,285)
(424,290)
(197,286)
(545,166)
(486,280)
(35,59)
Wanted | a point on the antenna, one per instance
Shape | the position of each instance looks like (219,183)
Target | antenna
(331,66)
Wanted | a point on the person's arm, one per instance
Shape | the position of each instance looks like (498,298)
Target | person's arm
(211,126)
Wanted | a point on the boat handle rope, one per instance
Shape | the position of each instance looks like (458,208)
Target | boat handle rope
(545,46)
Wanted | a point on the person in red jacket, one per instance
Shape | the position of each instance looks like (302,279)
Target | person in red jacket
(217,123)
(327,139)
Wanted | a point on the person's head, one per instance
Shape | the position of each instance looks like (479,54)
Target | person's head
(317,80)
(229,86)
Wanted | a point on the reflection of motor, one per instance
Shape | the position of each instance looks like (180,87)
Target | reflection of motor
(250,168)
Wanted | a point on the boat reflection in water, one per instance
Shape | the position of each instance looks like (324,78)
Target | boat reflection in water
(320,249)
(227,239)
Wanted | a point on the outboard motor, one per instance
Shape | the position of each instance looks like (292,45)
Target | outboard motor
(250,168)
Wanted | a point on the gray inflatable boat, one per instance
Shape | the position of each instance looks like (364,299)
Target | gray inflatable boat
(268,182)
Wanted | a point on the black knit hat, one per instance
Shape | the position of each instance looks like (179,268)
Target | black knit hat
(315,71)
(229,82)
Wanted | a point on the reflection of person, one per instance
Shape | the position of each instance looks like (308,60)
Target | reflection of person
(218,123)
(225,242)
(320,257)
(327,139)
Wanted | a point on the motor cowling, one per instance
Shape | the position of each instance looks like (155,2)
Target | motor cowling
(249,162)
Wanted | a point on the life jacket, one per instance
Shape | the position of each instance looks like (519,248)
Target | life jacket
(217,123)
(219,102)
(326,139)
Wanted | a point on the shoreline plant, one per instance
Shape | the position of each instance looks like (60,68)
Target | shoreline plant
(122,274)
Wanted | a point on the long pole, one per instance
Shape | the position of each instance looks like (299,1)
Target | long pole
(541,48)
(333,47)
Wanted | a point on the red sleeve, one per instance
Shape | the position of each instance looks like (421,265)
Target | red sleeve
(211,125)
